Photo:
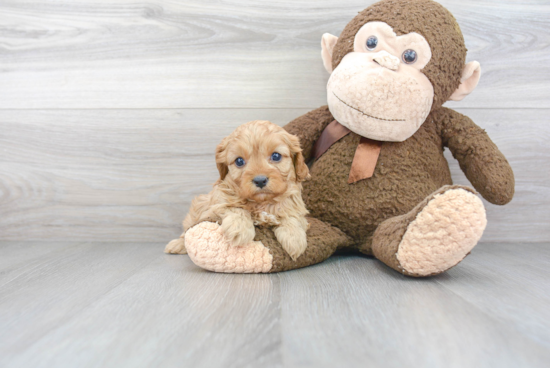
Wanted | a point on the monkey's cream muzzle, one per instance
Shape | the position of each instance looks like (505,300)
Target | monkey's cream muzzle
(377,96)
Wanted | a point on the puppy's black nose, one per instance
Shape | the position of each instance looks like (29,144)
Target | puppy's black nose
(260,181)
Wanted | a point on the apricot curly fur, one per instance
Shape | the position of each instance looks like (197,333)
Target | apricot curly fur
(239,204)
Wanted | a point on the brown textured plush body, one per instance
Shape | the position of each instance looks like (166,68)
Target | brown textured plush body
(405,174)
(392,68)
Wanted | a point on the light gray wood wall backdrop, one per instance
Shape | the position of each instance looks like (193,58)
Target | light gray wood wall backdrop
(110,110)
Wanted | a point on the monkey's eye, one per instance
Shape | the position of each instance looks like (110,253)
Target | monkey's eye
(372,42)
(276,156)
(239,162)
(409,56)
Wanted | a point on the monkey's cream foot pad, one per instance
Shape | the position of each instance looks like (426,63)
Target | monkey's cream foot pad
(209,249)
(443,233)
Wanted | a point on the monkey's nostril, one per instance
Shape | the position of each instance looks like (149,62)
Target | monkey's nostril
(260,181)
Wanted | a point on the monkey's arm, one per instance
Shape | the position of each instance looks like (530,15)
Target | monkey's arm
(479,158)
(308,128)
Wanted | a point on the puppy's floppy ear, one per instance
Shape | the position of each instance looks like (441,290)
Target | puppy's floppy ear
(221,159)
(302,171)
(300,167)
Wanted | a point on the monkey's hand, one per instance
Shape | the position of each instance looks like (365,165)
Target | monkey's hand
(291,234)
(238,227)
(479,158)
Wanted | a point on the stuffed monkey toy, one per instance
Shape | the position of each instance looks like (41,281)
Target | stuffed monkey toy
(380,184)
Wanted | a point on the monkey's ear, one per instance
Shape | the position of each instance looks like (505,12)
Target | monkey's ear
(327,45)
(470,78)
(221,160)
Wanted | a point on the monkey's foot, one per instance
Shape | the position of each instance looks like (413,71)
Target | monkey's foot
(209,249)
(435,236)
(176,246)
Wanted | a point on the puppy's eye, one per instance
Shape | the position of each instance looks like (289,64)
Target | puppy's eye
(276,156)
(239,162)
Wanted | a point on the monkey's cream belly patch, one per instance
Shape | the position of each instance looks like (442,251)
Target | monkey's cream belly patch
(209,249)
(443,233)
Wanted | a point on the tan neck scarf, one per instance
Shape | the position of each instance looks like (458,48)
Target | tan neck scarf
(366,154)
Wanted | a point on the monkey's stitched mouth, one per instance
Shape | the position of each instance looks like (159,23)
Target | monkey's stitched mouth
(370,116)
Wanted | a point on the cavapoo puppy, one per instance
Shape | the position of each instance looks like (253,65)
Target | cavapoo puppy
(261,169)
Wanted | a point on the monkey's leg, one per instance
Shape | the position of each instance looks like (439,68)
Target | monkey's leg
(208,248)
(433,237)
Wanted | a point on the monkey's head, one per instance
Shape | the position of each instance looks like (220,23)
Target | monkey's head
(393,64)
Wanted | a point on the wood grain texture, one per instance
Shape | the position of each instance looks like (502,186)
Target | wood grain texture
(499,278)
(75,271)
(364,314)
(130,175)
(238,53)
(130,305)
(140,309)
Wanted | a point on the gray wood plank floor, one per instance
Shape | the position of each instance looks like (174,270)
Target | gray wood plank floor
(130,305)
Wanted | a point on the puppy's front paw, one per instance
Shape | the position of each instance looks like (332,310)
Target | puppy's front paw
(238,232)
(293,239)
(176,246)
